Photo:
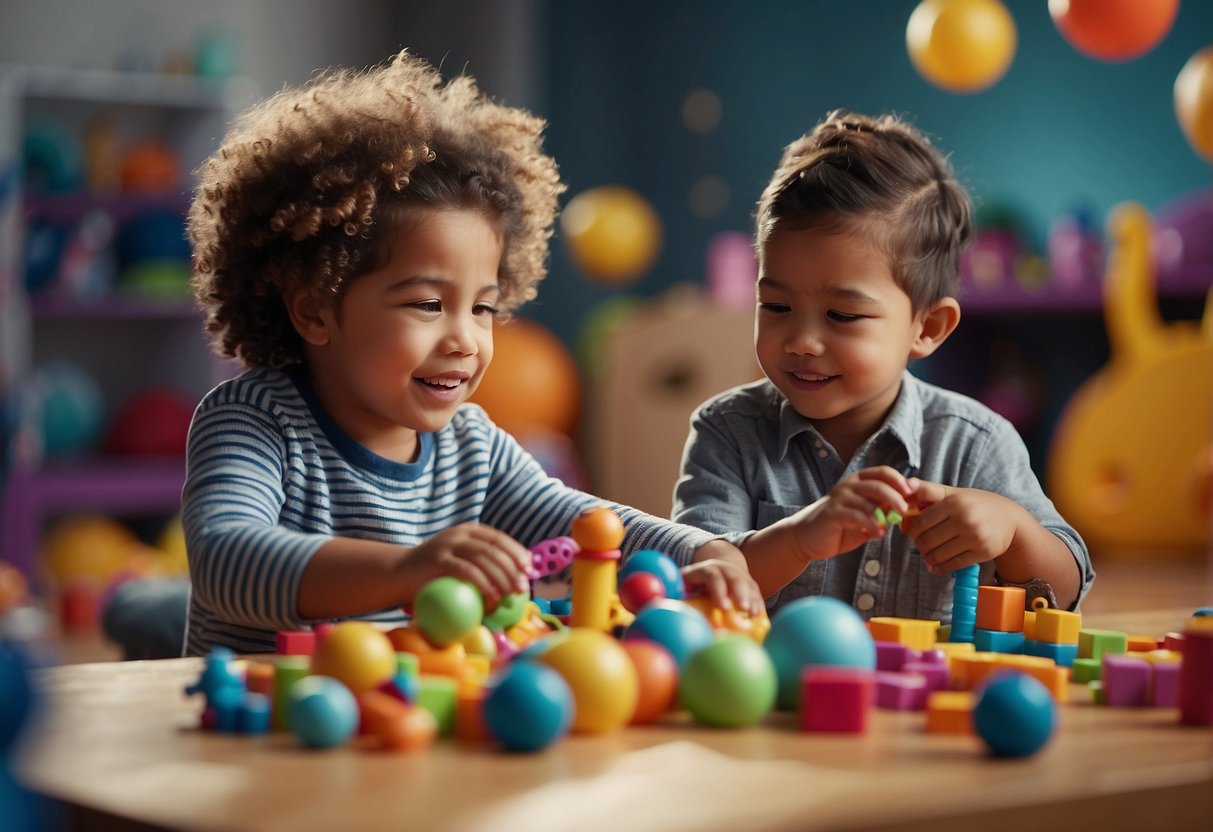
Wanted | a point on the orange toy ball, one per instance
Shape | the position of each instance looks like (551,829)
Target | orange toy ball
(532,382)
(961,45)
(612,233)
(14,589)
(150,168)
(1194,101)
(597,530)
(1114,30)
(657,676)
(356,654)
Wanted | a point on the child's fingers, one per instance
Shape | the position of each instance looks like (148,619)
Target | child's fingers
(744,592)
(710,579)
(887,475)
(515,551)
(469,570)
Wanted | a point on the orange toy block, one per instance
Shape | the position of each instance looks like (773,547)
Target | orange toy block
(1141,644)
(469,716)
(950,712)
(915,633)
(952,649)
(1001,608)
(970,668)
(431,661)
(1057,626)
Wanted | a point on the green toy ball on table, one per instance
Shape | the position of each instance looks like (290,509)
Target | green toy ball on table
(731,683)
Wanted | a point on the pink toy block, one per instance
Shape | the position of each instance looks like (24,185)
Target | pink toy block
(891,655)
(900,691)
(1164,685)
(836,699)
(295,643)
(1126,681)
(935,674)
(934,656)
(1196,678)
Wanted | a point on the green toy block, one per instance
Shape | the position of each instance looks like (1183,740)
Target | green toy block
(408,664)
(1085,670)
(440,696)
(1096,688)
(287,671)
(1095,644)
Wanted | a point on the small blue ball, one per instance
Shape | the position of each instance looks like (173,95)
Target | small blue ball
(528,706)
(323,712)
(676,626)
(659,564)
(1014,714)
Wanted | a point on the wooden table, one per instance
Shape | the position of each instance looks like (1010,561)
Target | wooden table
(119,746)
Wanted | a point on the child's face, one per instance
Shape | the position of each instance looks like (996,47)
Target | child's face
(834,331)
(411,340)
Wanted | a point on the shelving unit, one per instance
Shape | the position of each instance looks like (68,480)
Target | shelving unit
(125,342)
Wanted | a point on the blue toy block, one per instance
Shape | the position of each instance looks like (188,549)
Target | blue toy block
(1063,655)
(997,641)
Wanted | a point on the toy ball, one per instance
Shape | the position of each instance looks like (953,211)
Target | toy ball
(532,382)
(731,683)
(150,167)
(1194,101)
(528,706)
(357,654)
(323,712)
(481,642)
(88,547)
(961,46)
(674,625)
(818,630)
(640,589)
(1014,714)
(657,675)
(155,422)
(447,610)
(1113,30)
(612,233)
(597,530)
(659,564)
(72,408)
(601,677)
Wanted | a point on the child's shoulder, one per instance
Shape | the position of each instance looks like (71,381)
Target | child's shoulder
(260,388)
(755,400)
(941,405)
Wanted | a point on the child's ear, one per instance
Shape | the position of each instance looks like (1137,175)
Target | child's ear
(312,321)
(938,322)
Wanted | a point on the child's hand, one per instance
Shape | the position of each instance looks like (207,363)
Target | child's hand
(846,517)
(957,527)
(492,561)
(727,583)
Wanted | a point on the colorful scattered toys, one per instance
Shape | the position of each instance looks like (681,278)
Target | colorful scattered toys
(816,631)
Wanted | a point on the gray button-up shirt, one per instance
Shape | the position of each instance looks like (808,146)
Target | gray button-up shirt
(751,460)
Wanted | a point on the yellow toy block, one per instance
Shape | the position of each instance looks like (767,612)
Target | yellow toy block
(1161,656)
(1141,644)
(915,633)
(1201,623)
(950,712)
(1029,625)
(1001,608)
(970,668)
(952,649)
(1057,626)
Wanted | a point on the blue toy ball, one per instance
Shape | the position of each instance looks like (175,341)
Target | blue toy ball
(528,706)
(659,564)
(73,410)
(1014,714)
(818,630)
(675,625)
(16,695)
(323,712)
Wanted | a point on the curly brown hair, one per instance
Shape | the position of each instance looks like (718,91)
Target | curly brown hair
(882,177)
(304,187)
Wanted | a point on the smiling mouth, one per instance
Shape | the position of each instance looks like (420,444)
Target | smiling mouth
(810,377)
(442,383)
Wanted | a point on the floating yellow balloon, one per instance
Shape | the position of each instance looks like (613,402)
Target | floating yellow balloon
(612,232)
(1194,101)
(961,45)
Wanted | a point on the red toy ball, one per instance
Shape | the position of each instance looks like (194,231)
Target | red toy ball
(155,421)
(1114,30)
(640,589)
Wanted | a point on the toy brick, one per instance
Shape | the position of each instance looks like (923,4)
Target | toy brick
(408,664)
(1095,644)
(1161,656)
(1055,679)
(1060,654)
(900,691)
(968,669)
(998,641)
(1085,670)
(1001,608)
(1126,682)
(935,673)
(1196,678)
(439,695)
(259,678)
(295,643)
(287,671)
(915,633)
(950,712)
(952,649)
(1140,643)
(836,699)
(1095,688)
(469,717)
(1057,626)
(944,633)
(890,655)
(1173,641)
(1029,625)
(254,714)
(1164,685)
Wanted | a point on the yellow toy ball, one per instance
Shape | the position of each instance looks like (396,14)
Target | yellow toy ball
(961,45)
(612,232)
(91,548)
(1194,101)
(356,654)
(601,676)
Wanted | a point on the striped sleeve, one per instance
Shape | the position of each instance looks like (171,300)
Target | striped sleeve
(243,565)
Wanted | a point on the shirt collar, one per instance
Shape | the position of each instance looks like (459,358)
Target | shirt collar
(903,423)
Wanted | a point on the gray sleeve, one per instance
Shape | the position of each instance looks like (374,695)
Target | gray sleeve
(711,492)
(1004,467)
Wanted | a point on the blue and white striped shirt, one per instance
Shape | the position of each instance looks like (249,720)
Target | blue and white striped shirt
(271,478)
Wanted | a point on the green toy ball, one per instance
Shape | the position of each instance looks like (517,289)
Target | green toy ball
(731,683)
(447,610)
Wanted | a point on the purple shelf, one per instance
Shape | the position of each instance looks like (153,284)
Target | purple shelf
(110,307)
(1014,298)
(65,208)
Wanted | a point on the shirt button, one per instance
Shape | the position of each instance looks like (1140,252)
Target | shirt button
(823,453)
(865,602)
(872,568)
(816,443)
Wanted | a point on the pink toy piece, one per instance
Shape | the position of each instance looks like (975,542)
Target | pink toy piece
(1164,685)
(1173,641)
(506,648)
(935,674)
(1126,682)
(934,657)
(322,629)
(550,556)
(836,699)
(892,655)
(295,643)
(1196,678)
(900,691)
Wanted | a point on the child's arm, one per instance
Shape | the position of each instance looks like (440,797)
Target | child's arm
(962,526)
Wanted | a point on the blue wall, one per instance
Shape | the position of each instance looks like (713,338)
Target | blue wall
(1060,130)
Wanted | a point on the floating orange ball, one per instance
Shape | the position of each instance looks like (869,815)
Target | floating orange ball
(532,383)
(597,530)
(961,45)
(1114,30)
(1194,101)
(612,233)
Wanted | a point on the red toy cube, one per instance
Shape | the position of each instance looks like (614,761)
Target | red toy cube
(836,699)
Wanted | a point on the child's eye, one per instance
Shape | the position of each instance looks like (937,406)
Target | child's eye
(775,308)
(484,309)
(427,305)
(842,317)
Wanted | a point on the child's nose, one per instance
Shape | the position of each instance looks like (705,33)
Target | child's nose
(459,339)
(804,341)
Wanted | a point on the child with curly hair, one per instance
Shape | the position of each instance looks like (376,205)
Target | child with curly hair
(859,234)
(355,240)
